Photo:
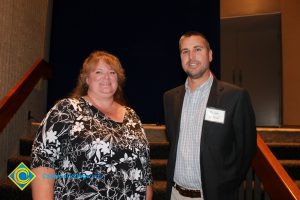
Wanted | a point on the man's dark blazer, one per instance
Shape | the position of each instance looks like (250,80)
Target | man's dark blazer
(226,150)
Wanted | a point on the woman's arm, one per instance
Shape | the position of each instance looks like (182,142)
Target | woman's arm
(149,192)
(43,185)
(146,165)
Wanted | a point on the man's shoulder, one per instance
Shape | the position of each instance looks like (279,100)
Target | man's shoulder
(228,90)
(175,90)
(228,86)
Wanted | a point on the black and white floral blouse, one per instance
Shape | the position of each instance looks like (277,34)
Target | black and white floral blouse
(93,156)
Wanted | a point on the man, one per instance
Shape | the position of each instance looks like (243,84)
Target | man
(211,129)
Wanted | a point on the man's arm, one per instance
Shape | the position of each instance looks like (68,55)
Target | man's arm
(245,129)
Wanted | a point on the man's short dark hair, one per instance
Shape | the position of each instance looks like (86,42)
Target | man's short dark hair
(194,33)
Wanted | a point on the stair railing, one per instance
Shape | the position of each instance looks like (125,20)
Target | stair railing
(11,102)
(275,180)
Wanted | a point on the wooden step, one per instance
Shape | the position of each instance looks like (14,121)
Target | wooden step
(159,190)
(26,145)
(159,169)
(285,150)
(283,142)
(9,191)
(159,150)
(14,162)
(280,135)
(285,146)
(292,167)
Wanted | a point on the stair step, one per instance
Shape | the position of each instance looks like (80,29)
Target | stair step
(159,150)
(289,151)
(8,190)
(292,167)
(284,145)
(26,145)
(158,166)
(159,190)
(281,135)
(155,133)
(159,169)
(283,142)
(14,162)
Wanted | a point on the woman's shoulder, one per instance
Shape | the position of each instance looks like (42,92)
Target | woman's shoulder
(131,112)
(68,103)
(129,109)
(63,101)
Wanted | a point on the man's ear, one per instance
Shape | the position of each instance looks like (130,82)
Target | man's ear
(210,54)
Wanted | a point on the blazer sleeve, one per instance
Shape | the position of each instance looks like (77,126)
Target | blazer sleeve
(245,130)
(166,113)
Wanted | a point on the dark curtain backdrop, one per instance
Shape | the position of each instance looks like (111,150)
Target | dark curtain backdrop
(143,34)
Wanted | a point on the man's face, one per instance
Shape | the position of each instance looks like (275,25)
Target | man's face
(195,56)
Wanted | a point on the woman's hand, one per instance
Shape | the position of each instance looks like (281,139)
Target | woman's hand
(149,192)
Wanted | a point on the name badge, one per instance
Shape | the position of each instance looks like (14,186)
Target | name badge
(215,115)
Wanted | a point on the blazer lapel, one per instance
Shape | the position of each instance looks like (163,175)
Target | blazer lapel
(214,95)
(179,102)
(213,101)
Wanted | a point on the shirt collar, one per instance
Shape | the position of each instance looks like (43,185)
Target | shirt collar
(206,84)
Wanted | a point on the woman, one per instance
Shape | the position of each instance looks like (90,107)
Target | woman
(91,146)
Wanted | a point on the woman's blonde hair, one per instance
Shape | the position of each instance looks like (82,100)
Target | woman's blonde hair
(90,63)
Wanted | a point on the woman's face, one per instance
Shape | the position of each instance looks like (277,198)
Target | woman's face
(102,80)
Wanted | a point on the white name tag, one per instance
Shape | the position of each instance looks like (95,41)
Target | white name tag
(215,115)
